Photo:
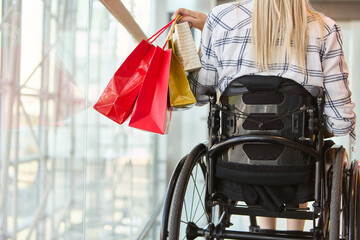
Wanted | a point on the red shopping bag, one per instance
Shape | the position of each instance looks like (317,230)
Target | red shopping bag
(118,99)
(151,111)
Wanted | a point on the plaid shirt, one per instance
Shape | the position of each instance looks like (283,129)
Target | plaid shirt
(226,54)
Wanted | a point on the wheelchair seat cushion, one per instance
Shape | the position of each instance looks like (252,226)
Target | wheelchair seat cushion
(269,175)
(271,198)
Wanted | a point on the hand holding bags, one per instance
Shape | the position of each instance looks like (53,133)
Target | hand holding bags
(144,78)
(180,94)
(118,99)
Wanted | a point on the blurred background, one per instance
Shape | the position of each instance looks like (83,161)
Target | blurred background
(67,172)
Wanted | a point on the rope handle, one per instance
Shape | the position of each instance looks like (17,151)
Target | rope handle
(177,19)
(158,33)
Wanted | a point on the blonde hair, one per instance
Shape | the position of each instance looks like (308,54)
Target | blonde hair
(279,30)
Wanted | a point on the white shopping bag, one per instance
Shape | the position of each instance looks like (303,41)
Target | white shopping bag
(185,48)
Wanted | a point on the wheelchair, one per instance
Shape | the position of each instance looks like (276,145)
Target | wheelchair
(266,154)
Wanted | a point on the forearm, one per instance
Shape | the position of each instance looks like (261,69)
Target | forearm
(195,19)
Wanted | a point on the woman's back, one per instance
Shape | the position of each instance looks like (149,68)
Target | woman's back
(227,52)
(229,47)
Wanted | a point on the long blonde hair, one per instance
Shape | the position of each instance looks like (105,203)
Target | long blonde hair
(279,29)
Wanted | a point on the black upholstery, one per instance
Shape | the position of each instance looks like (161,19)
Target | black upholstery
(267,105)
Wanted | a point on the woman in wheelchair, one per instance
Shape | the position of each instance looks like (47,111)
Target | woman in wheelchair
(276,79)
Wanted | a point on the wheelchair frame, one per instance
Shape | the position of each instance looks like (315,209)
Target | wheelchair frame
(219,231)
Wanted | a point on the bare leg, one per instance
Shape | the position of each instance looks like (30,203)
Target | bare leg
(295,224)
(267,222)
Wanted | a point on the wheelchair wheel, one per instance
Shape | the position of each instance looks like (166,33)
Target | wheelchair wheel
(168,198)
(336,193)
(357,203)
(188,202)
(354,208)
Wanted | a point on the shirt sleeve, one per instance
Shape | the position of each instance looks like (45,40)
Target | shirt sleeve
(208,74)
(340,117)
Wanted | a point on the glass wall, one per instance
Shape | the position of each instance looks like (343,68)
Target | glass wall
(44,78)
(67,172)
(128,169)
(123,182)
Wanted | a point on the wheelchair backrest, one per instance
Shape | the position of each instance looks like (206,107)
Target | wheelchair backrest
(269,105)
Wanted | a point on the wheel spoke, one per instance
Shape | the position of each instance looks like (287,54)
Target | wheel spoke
(199,200)
(200,217)
(183,222)
(193,193)
(184,226)
(187,218)
(182,212)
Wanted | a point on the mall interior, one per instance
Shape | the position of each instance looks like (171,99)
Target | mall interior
(68,172)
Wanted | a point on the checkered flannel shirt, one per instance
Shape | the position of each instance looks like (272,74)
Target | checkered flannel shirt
(226,54)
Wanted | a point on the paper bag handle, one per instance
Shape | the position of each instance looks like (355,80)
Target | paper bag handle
(173,26)
(172,29)
(158,33)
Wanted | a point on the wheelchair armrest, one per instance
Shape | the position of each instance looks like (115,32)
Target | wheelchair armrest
(207,90)
(327,134)
(315,91)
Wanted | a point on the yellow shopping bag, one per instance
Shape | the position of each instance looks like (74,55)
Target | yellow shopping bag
(180,94)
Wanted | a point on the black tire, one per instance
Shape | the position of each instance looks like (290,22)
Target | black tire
(345,203)
(354,208)
(191,186)
(357,207)
(357,214)
(168,198)
(336,193)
